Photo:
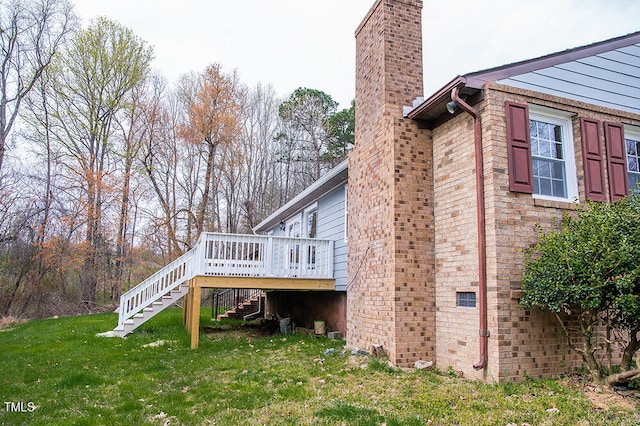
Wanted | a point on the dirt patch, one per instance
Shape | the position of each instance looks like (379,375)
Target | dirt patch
(604,397)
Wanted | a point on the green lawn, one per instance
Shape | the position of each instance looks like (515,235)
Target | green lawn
(63,374)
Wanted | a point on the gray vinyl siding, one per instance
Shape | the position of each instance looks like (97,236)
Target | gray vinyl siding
(277,232)
(610,79)
(331,226)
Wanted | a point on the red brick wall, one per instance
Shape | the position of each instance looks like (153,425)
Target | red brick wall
(456,245)
(524,342)
(412,224)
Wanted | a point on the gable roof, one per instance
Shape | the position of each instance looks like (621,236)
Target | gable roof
(549,74)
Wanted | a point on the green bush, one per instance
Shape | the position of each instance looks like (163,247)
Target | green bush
(587,272)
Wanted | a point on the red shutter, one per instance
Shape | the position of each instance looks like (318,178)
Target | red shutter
(519,148)
(593,162)
(616,160)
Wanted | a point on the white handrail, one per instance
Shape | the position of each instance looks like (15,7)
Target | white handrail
(160,283)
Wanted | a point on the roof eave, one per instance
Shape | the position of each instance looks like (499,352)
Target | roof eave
(478,78)
(432,110)
(442,95)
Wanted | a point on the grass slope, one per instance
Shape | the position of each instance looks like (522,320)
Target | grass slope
(72,377)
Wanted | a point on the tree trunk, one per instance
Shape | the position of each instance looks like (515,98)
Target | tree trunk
(90,275)
(630,350)
(121,251)
(202,208)
(2,150)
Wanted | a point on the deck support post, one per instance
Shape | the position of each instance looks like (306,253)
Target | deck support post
(195,292)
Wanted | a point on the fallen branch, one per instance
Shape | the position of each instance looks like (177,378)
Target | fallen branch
(624,377)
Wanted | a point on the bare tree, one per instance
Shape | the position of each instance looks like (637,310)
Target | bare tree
(213,105)
(31,33)
(260,126)
(160,157)
(94,80)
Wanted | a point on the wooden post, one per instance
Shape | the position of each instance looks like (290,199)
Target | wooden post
(194,313)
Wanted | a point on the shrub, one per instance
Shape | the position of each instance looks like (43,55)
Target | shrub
(587,271)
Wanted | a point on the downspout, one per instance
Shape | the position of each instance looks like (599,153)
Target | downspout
(482,236)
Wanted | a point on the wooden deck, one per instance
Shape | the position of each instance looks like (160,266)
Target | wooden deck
(228,261)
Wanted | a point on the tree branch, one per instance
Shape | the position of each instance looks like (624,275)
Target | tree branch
(624,377)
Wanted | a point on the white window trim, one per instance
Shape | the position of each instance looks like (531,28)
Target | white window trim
(292,220)
(561,118)
(302,218)
(305,216)
(632,133)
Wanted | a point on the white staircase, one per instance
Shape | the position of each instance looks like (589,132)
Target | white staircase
(150,311)
(159,291)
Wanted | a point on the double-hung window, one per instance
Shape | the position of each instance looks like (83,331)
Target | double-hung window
(632,142)
(552,154)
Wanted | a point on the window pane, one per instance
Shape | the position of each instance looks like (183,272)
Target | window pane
(632,148)
(541,168)
(536,185)
(312,224)
(557,133)
(558,188)
(535,147)
(543,131)
(545,149)
(466,299)
(634,180)
(548,159)
(558,152)
(633,163)
(557,170)
(545,187)
(546,140)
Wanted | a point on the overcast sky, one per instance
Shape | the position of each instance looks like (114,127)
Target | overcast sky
(310,43)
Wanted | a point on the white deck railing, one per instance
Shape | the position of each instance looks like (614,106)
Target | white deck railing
(234,255)
(264,256)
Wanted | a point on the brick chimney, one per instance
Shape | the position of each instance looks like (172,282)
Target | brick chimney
(391,297)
